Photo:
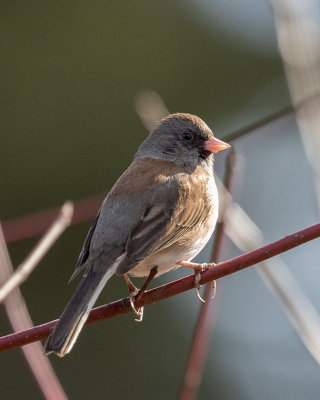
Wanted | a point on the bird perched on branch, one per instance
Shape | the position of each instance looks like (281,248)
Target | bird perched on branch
(159,214)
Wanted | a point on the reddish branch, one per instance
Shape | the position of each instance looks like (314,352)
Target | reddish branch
(171,289)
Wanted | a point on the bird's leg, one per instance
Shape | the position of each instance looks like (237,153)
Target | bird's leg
(153,272)
(136,294)
(198,268)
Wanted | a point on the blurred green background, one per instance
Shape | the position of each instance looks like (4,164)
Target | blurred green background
(70,73)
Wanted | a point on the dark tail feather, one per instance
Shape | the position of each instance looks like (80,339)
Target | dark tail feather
(77,310)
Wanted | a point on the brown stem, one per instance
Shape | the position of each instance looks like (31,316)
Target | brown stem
(20,319)
(122,306)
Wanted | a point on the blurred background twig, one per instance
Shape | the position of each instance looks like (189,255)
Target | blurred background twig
(20,319)
(298,30)
(27,266)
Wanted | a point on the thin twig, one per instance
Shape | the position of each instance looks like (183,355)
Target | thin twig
(46,242)
(122,306)
(37,223)
(258,124)
(204,326)
(20,320)
(287,110)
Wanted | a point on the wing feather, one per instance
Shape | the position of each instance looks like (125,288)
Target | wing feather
(160,226)
(84,254)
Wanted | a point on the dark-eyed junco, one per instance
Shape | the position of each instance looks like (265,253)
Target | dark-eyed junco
(162,210)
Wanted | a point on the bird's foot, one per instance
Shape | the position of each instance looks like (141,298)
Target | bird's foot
(132,297)
(136,294)
(139,311)
(198,268)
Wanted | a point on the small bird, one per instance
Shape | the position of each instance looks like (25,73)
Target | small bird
(160,213)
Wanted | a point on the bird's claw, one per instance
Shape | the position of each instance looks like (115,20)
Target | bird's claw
(214,289)
(198,269)
(138,311)
(136,294)
(197,278)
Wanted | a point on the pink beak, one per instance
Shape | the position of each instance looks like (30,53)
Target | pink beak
(214,145)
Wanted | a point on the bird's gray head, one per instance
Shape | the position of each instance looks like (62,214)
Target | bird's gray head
(183,139)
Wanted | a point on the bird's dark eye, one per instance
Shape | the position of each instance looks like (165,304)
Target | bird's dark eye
(187,136)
